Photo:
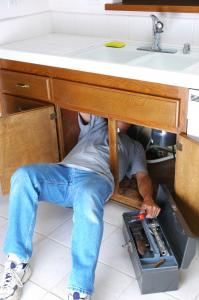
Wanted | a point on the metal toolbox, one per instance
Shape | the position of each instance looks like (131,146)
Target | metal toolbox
(159,247)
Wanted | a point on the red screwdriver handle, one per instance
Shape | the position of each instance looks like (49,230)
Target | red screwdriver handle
(141,216)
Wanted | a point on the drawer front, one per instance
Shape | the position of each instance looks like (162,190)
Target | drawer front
(151,111)
(26,85)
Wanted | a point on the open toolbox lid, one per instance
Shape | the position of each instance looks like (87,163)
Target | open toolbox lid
(180,238)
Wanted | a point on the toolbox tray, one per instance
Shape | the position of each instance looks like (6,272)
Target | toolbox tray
(156,272)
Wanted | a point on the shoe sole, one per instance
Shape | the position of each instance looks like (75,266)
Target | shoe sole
(26,275)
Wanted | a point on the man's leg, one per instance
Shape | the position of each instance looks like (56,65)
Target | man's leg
(91,192)
(29,185)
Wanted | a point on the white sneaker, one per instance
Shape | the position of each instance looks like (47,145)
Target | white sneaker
(14,276)
(77,296)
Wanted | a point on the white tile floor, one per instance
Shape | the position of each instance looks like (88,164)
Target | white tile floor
(115,278)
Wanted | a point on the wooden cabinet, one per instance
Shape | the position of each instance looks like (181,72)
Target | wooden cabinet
(25,85)
(135,108)
(174,6)
(13,104)
(116,104)
(28,134)
(143,103)
(187,180)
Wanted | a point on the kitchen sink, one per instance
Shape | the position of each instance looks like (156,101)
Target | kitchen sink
(166,62)
(112,55)
(130,56)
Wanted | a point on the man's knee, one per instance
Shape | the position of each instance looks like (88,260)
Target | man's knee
(88,207)
(98,192)
(90,200)
(21,175)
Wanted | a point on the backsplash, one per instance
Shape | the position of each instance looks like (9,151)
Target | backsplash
(28,18)
(134,26)
(20,19)
(21,28)
(15,8)
(89,17)
(81,6)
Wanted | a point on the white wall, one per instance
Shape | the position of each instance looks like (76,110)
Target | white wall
(15,8)
(20,19)
(21,28)
(88,17)
(81,6)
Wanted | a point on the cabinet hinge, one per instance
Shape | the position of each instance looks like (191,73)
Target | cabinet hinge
(179,146)
(53,116)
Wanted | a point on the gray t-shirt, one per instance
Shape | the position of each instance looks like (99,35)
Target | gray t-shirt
(92,151)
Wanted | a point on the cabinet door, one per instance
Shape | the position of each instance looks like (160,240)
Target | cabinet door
(187,181)
(25,138)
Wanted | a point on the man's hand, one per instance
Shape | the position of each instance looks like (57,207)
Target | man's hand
(149,206)
(151,209)
(85,117)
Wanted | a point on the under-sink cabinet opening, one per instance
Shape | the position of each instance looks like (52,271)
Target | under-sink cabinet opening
(161,160)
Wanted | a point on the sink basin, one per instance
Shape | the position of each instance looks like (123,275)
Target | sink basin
(112,55)
(168,62)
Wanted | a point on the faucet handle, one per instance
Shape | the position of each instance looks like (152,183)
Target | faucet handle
(157,24)
(186,48)
(159,27)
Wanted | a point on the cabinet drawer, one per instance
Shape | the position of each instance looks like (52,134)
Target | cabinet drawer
(26,85)
(26,137)
(141,109)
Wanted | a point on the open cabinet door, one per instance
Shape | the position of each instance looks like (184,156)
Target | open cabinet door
(187,181)
(26,137)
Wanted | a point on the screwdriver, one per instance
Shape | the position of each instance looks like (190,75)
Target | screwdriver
(139,216)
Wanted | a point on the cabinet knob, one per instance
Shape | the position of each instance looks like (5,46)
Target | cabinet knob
(23,85)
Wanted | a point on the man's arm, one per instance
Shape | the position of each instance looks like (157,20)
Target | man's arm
(146,191)
(85,117)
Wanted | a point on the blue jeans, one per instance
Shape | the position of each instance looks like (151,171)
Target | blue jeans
(84,191)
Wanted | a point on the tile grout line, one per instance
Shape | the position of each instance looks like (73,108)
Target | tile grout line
(115,269)
(62,244)
(176,298)
(196,297)
(35,283)
(48,292)
(66,220)
(57,242)
(105,239)
(69,248)
(125,289)
(100,261)
(4,218)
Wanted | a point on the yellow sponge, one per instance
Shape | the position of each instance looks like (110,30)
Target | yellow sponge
(115,44)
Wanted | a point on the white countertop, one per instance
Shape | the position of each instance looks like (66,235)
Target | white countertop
(61,50)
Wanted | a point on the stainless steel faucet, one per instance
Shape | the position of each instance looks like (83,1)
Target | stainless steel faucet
(157,30)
